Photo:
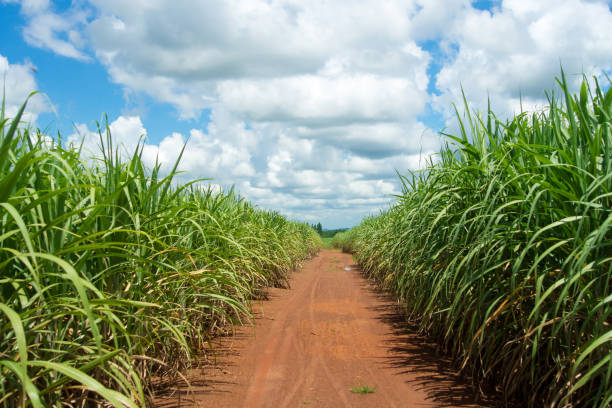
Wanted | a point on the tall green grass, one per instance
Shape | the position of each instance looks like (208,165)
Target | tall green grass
(502,250)
(112,275)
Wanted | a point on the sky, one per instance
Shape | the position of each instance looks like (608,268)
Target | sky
(308,107)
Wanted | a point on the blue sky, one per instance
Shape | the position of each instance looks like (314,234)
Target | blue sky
(306,107)
(82,91)
(71,84)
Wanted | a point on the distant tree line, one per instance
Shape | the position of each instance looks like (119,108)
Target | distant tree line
(328,233)
(318,227)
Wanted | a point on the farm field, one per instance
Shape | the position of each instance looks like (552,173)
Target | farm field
(305,203)
(120,285)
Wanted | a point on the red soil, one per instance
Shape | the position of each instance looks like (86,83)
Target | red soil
(312,343)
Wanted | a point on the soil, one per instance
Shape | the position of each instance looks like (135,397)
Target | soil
(331,332)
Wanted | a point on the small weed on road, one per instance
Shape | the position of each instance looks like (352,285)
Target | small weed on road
(362,389)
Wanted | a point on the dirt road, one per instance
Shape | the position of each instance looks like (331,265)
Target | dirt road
(330,333)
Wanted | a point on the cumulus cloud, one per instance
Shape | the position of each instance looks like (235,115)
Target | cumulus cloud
(205,156)
(314,105)
(58,32)
(286,180)
(183,54)
(127,132)
(315,100)
(516,51)
(18,82)
(374,140)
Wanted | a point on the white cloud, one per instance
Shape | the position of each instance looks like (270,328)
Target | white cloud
(183,54)
(204,157)
(434,17)
(517,51)
(47,29)
(374,140)
(287,180)
(126,133)
(315,104)
(315,100)
(18,82)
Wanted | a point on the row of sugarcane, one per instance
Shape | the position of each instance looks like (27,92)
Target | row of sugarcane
(501,249)
(114,276)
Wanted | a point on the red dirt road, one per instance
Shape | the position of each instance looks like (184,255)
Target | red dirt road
(314,342)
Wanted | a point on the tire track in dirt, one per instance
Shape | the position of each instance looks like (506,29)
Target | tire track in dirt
(312,343)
